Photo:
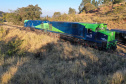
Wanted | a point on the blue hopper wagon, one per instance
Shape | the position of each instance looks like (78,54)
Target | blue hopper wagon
(120,34)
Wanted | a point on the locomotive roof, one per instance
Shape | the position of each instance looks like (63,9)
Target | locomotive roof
(79,22)
(65,22)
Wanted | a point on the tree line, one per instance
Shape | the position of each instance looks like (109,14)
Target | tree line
(33,12)
(30,12)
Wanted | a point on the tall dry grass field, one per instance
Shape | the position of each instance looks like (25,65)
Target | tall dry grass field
(30,58)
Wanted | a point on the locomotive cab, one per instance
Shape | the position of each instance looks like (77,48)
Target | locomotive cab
(107,37)
(100,35)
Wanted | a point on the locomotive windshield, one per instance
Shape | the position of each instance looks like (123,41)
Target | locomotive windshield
(101,27)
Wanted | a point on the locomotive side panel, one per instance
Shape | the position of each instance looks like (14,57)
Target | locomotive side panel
(73,29)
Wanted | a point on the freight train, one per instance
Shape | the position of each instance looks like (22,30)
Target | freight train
(120,35)
(89,34)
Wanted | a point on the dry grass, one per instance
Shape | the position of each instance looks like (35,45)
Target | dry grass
(113,21)
(47,61)
(31,41)
(8,75)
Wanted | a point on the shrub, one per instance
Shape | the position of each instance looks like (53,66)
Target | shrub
(117,1)
(56,14)
(119,9)
(71,11)
(13,47)
(2,33)
(89,7)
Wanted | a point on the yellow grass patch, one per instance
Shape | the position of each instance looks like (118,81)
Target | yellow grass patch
(32,41)
(9,74)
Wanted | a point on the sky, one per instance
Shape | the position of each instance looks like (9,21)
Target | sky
(48,6)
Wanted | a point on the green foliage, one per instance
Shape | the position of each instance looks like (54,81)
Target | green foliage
(2,33)
(64,17)
(117,1)
(1,30)
(119,9)
(17,17)
(100,2)
(1,15)
(56,14)
(4,16)
(30,12)
(82,4)
(12,17)
(1,55)
(79,8)
(1,20)
(71,11)
(13,47)
(86,1)
(96,3)
(113,1)
(1,12)
(89,7)
(106,1)
(93,2)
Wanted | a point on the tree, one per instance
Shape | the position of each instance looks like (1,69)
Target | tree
(89,7)
(100,2)
(56,14)
(1,12)
(86,1)
(30,12)
(79,9)
(106,1)
(82,5)
(117,1)
(71,11)
(96,3)
(93,2)
(18,16)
